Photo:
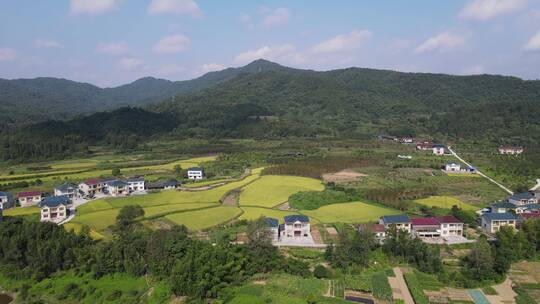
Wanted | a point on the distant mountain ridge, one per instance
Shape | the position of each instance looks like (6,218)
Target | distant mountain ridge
(44,98)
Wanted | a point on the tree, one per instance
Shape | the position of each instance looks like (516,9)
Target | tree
(260,244)
(116,172)
(127,215)
(479,264)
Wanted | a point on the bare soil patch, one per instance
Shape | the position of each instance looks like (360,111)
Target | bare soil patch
(285,206)
(344,176)
(231,198)
(316,235)
(332,231)
(260,282)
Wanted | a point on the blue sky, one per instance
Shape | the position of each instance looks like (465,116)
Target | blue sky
(112,42)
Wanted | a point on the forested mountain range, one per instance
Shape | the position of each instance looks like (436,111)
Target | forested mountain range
(24,101)
(266,100)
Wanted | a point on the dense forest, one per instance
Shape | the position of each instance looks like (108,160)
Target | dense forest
(266,100)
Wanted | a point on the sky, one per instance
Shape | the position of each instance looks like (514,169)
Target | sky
(113,42)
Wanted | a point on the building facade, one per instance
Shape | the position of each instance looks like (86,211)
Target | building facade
(195,173)
(30,198)
(68,189)
(492,222)
(296,226)
(54,209)
(6,200)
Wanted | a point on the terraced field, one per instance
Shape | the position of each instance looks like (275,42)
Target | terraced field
(270,191)
(355,212)
(445,202)
(201,219)
(252,213)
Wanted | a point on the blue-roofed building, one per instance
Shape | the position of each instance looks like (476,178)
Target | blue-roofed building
(54,208)
(296,226)
(68,189)
(503,207)
(273,227)
(492,222)
(6,200)
(117,188)
(135,184)
(401,221)
(524,198)
(532,208)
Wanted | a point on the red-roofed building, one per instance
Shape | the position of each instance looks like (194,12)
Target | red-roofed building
(29,198)
(91,187)
(528,216)
(426,227)
(437,226)
(450,225)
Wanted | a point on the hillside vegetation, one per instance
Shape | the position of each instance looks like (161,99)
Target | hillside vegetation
(265,100)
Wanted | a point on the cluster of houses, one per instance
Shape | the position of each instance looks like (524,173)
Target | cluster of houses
(55,208)
(511,212)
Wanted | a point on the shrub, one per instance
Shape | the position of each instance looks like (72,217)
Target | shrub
(321,272)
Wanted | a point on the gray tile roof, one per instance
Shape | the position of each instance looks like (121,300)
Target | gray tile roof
(396,219)
(499,216)
(296,218)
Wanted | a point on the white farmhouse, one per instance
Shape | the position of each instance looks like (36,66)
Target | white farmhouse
(30,198)
(117,188)
(452,167)
(438,149)
(513,150)
(68,189)
(54,209)
(195,173)
(296,226)
(401,221)
(135,184)
(525,198)
(492,222)
(91,187)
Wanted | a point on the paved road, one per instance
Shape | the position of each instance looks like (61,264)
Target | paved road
(537,187)
(480,173)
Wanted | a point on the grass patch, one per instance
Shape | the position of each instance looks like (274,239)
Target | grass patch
(78,227)
(488,290)
(272,190)
(22,211)
(355,212)
(253,213)
(446,202)
(416,288)
(311,200)
(380,286)
(202,219)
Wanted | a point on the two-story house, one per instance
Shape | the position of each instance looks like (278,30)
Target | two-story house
(91,187)
(296,226)
(492,222)
(29,198)
(439,149)
(195,173)
(54,209)
(117,188)
(524,198)
(450,226)
(428,227)
(135,184)
(68,189)
(6,200)
(401,221)
(503,207)
(452,167)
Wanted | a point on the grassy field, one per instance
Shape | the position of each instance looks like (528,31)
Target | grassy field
(252,213)
(355,212)
(77,229)
(202,219)
(270,191)
(21,211)
(445,202)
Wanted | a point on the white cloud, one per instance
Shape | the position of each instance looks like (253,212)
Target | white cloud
(179,7)
(342,42)
(280,52)
(276,18)
(487,9)
(211,67)
(443,42)
(112,48)
(92,7)
(172,44)
(534,43)
(47,43)
(129,63)
(7,54)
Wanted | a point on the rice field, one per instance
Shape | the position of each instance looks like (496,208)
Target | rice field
(202,219)
(355,212)
(20,211)
(253,213)
(272,190)
(78,227)
(445,202)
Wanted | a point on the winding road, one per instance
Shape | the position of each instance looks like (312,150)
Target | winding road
(480,173)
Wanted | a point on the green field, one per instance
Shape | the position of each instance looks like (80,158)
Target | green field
(253,213)
(21,211)
(76,227)
(271,190)
(202,219)
(356,212)
(444,202)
